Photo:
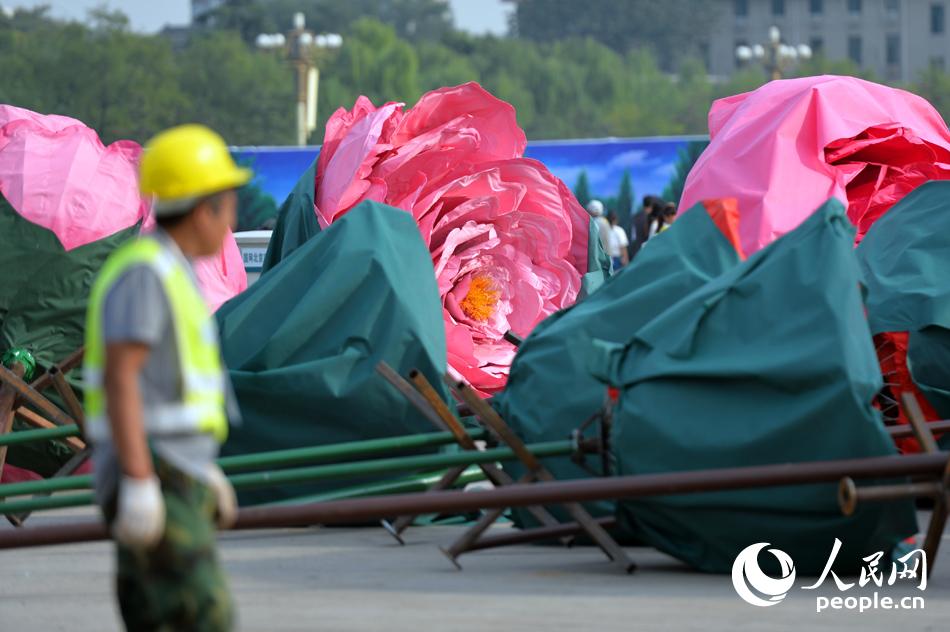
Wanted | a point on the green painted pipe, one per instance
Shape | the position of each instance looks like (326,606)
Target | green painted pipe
(46,502)
(297,456)
(40,434)
(417,483)
(281,458)
(410,484)
(387,466)
(47,485)
(324,472)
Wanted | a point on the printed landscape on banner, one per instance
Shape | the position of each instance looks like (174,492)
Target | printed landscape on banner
(654,166)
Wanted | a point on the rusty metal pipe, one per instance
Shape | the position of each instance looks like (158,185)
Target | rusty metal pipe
(8,396)
(69,397)
(906,430)
(68,364)
(849,494)
(29,395)
(581,490)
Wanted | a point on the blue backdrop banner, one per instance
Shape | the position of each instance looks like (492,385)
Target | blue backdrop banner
(656,166)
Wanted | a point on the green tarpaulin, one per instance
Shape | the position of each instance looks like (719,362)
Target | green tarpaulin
(296,220)
(772,362)
(550,390)
(302,343)
(905,257)
(43,306)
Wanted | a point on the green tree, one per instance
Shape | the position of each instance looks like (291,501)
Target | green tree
(374,61)
(820,65)
(415,20)
(669,28)
(582,189)
(121,84)
(248,18)
(441,66)
(687,157)
(246,95)
(625,199)
(934,85)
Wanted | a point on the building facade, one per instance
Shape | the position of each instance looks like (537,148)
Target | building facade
(896,39)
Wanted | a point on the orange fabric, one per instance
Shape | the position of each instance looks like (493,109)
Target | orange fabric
(725,214)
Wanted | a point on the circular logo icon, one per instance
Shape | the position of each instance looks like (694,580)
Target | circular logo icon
(748,577)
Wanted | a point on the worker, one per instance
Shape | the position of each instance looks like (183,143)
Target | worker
(157,397)
(596,210)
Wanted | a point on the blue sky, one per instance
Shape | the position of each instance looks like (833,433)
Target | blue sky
(476,16)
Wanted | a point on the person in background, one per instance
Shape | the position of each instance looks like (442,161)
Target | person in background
(596,210)
(656,217)
(618,243)
(640,224)
(667,217)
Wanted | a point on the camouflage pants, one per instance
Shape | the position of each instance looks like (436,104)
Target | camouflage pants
(178,585)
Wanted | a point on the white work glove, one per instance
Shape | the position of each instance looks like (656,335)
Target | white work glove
(227,506)
(140,520)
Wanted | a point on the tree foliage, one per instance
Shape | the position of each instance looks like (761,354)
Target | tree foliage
(668,29)
(582,189)
(566,78)
(625,198)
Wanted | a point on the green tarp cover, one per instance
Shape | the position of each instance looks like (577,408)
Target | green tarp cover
(43,306)
(905,257)
(302,343)
(772,362)
(550,391)
(296,220)
(44,290)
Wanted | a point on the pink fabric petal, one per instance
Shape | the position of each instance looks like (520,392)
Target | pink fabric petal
(343,179)
(222,276)
(56,173)
(785,148)
(492,220)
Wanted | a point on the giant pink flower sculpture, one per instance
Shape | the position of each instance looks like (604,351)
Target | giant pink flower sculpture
(508,239)
(784,149)
(56,173)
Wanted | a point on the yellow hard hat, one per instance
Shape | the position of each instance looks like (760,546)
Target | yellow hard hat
(187,162)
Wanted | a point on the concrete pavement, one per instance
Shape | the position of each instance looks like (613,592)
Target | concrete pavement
(360,579)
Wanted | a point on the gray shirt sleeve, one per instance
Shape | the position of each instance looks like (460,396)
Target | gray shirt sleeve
(136,308)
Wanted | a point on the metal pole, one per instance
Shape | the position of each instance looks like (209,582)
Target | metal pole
(581,490)
(279,477)
(301,69)
(8,397)
(346,450)
(276,458)
(387,466)
(32,397)
(43,434)
(69,396)
(906,430)
(69,363)
(413,483)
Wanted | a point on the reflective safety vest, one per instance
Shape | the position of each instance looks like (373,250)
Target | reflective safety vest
(202,407)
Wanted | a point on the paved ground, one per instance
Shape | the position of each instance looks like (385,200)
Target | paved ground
(359,579)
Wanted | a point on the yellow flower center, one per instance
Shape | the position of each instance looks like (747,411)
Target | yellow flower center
(479,304)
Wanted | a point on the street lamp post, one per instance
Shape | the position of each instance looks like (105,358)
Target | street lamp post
(775,56)
(301,46)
